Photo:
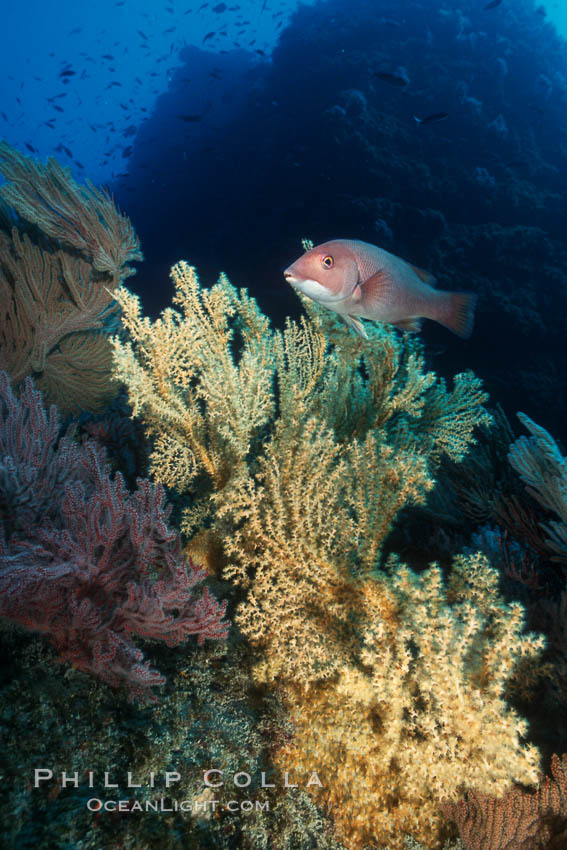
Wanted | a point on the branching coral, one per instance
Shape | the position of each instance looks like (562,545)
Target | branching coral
(313,519)
(297,449)
(71,247)
(220,391)
(419,713)
(84,561)
(204,408)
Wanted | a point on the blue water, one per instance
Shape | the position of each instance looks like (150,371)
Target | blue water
(557,13)
(39,43)
(228,132)
(143,37)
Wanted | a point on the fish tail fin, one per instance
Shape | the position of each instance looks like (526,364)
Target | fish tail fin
(456,312)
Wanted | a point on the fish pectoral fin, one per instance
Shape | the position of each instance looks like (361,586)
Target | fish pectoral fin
(426,277)
(411,325)
(356,294)
(355,324)
(377,287)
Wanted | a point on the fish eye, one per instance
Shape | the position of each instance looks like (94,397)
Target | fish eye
(328,261)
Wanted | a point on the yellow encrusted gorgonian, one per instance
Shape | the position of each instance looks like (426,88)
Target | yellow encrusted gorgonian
(295,451)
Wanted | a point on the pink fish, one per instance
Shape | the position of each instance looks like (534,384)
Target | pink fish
(355,279)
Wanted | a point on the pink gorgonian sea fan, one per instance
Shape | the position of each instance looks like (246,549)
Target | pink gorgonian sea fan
(85,561)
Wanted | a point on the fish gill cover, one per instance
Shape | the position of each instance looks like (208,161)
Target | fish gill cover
(390,554)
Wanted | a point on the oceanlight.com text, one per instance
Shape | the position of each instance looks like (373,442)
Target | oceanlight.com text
(198,806)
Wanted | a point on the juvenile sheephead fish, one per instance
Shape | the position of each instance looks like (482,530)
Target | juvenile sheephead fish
(355,279)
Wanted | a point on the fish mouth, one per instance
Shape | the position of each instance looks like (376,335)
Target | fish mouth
(303,284)
(296,282)
(313,289)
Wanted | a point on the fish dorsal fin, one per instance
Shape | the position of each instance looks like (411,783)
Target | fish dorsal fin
(426,277)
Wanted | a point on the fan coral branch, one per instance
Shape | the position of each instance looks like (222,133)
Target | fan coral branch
(543,469)
(80,217)
(86,562)
(57,295)
(518,820)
